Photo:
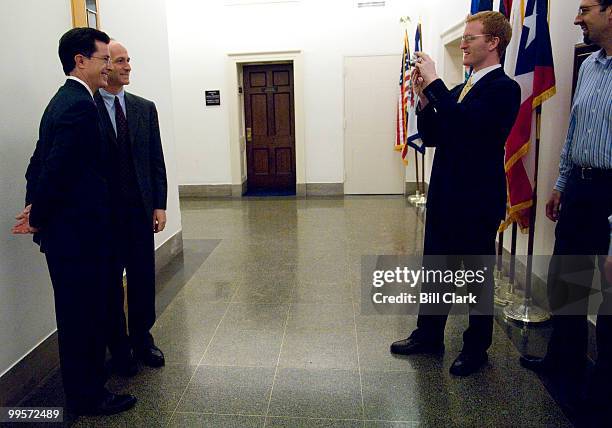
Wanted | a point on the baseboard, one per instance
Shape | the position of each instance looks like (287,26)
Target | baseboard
(238,190)
(39,363)
(411,187)
(206,191)
(168,251)
(29,372)
(324,189)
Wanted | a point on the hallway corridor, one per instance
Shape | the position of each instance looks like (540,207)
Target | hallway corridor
(267,330)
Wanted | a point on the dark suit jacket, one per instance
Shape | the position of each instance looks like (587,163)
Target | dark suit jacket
(66,178)
(146,148)
(468,181)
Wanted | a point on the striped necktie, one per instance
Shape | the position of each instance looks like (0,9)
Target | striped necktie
(124,158)
(466,89)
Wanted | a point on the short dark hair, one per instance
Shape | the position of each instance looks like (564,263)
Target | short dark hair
(79,40)
(605,4)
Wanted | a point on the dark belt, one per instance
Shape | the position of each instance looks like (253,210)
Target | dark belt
(592,174)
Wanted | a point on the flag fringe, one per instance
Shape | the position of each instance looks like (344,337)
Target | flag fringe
(514,216)
(517,156)
(544,96)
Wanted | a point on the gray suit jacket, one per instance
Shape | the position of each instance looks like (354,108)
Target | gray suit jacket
(146,148)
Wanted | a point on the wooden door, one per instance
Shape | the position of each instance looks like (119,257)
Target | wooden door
(270,127)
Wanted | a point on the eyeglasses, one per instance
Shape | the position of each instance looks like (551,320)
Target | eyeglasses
(583,10)
(470,38)
(106,59)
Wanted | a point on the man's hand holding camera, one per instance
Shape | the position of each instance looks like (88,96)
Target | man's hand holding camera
(423,74)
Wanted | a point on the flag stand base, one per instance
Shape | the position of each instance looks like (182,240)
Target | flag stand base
(526,313)
(413,198)
(418,199)
(504,290)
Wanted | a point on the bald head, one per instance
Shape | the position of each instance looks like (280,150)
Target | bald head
(120,74)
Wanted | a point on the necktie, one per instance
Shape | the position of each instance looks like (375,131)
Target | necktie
(120,122)
(123,150)
(466,89)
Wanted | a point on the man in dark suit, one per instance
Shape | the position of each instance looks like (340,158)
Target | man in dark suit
(68,208)
(138,194)
(469,126)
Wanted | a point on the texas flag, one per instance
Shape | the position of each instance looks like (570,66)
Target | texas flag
(529,61)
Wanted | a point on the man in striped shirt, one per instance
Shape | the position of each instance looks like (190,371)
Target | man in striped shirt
(582,202)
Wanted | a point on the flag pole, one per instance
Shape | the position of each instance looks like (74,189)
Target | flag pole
(423,199)
(503,287)
(526,312)
(416,165)
(423,172)
(500,250)
(512,271)
(504,290)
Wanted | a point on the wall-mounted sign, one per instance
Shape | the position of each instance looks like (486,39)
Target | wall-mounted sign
(213,98)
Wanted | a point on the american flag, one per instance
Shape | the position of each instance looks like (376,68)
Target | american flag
(413,137)
(402,101)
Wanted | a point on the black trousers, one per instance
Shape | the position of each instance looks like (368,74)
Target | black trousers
(451,244)
(582,240)
(80,286)
(134,252)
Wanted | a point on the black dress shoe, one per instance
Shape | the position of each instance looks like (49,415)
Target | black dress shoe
(150,356)
(411,346)
(110,404)
(467,363)
(537,364)
(125,365)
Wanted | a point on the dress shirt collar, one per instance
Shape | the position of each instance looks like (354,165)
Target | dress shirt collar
(602,58)
(109,99)
(477,75)
(82,83)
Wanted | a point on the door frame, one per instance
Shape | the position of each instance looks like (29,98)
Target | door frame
(235,62)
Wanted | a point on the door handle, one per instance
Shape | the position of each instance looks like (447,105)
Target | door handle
(249,135)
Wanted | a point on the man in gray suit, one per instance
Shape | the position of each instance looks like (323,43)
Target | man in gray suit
(138,189)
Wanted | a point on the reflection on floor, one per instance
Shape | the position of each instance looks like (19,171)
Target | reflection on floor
(268,331)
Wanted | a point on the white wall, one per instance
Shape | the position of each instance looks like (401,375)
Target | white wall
(202,33)
(30,31)
(141,26)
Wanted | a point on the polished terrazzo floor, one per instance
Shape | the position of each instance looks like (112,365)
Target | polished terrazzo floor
(267,330)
